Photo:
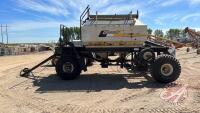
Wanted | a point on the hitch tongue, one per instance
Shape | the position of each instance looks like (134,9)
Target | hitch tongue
(27,72)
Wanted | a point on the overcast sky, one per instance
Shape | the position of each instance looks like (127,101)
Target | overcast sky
(38,20)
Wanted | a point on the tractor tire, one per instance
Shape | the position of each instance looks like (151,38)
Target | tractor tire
(68,68)
(198,51)
(165,69)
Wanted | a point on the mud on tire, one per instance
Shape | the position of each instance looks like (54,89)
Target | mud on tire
(165,69)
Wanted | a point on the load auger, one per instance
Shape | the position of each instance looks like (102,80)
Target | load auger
(195,39)
(165,41)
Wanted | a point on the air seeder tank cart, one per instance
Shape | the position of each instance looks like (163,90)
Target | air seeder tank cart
(102,35)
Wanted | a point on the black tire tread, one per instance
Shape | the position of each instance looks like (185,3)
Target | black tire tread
(68,76)
(155,67)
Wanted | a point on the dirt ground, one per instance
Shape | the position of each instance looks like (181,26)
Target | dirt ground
(111,90)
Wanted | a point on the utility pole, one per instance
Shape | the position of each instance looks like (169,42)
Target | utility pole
(7,33)
(2,33)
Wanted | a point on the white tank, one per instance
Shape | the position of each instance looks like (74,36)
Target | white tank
(112,30)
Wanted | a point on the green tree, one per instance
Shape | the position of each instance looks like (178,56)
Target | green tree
(173,33)
(158,33)
(149,30)
(183,34)
(71,33)
(77,33)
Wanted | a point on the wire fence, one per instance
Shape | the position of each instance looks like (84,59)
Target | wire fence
(21,50)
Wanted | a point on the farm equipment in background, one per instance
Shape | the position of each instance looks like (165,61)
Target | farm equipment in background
(101,35)
(195,39)
(166,42)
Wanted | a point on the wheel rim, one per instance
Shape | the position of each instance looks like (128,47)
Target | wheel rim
(167,69)
(68,67)
(148,56)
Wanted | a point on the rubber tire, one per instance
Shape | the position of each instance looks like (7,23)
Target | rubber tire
(68,76)
(144,51)
(155,69)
